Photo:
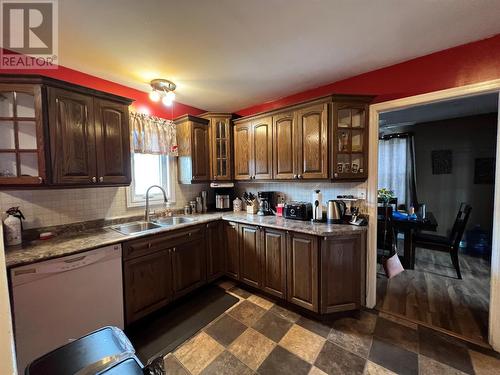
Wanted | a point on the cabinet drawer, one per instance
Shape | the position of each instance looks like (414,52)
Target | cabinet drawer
(143,246)
(181,236)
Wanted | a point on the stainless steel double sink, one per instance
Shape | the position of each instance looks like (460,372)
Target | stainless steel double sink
(145,226)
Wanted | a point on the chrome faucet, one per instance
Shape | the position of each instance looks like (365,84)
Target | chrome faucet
(147,200)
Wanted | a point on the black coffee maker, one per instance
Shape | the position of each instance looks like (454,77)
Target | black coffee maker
(267,203)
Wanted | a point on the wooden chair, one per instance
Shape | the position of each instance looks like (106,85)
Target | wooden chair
(447,243)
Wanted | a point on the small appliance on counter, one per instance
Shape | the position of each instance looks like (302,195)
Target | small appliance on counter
(298,211)
(271,197)
(335,212)
(317,203)
(267,203)
(356,218)
(224,195)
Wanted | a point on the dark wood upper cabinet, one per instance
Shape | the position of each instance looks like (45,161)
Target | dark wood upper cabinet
(221,145)
(312,142)
(285,146)
(301,143)
(112,142)
(249,249)
(341,268)
(253,150)
(72,137)
(193,148)
(57,133)
(350,140)
(216,254)
(273,255)
(302,271)
(232,249)
(22,148)
(262,148)
(243,164)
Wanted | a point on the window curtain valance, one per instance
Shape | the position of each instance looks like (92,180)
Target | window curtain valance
(152,135)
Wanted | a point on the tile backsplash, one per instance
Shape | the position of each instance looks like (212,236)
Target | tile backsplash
(302,191)
(44,208)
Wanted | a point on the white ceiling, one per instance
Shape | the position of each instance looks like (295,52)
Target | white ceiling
(229,54)
(443,110)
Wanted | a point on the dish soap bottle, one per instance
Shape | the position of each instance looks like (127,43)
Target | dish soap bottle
(13,227)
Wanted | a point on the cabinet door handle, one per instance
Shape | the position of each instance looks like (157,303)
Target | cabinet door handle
(101,179)
(174,249)
(94,180)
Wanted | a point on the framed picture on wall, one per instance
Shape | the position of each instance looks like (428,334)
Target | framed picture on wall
(484,171)
(441,161)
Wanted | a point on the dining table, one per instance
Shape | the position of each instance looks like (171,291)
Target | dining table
(408,227)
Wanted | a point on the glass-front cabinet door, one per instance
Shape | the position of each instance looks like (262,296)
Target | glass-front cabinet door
(221,148)
(21,145)
(350,139)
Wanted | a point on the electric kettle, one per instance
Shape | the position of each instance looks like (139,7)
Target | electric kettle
(335,212)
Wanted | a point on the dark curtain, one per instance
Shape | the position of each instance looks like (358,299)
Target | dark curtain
(411,178)
(411,198)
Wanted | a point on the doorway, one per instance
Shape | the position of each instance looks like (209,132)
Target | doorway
(376,111)
(437,161)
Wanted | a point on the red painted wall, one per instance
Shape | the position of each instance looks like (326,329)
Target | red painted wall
(466,64)
(142,102)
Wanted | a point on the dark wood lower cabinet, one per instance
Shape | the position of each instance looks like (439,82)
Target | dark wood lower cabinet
(323,275)
(232,250)
(273,254)
(302,271)
(249,237)
(215,250)
(341,268)
(188,266)
(159,269)
(147,284)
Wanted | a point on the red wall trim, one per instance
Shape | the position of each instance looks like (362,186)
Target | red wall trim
(142,101)
(463,65)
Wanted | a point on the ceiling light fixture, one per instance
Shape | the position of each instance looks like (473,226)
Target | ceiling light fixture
(162,89)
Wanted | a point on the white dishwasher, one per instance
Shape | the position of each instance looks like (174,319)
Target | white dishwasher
(62,299)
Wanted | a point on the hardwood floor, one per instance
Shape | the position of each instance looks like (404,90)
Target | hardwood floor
(432,294)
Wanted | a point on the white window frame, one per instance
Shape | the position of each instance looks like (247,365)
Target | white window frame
(168,178)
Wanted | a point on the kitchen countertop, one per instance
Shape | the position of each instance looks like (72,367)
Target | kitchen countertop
(307,227)
(76,242)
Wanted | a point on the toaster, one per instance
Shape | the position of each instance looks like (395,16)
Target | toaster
(298,211)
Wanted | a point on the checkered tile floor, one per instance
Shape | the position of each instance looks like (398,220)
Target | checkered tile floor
(256,336)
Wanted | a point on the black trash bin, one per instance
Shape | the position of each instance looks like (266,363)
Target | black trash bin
(95,353)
